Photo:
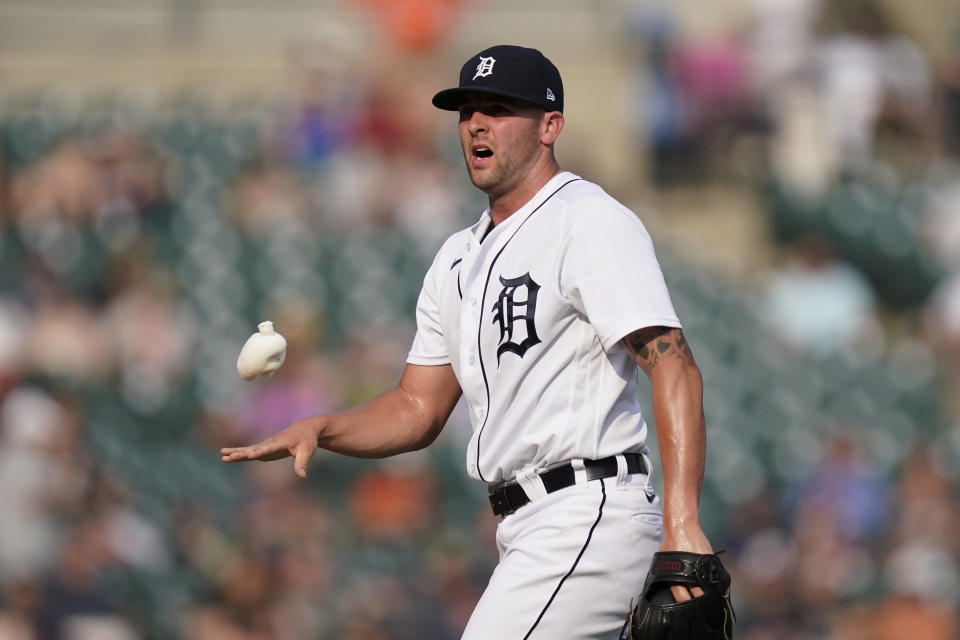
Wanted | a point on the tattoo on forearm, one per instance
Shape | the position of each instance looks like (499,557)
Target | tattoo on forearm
(651,345)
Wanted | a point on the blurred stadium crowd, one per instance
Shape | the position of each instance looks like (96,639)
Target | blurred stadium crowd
(141,241)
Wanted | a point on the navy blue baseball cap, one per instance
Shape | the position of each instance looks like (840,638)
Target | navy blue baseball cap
(510,71)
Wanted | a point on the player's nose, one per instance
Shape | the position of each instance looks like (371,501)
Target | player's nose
(476,123)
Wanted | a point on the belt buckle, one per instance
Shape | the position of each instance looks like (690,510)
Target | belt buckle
(500,503)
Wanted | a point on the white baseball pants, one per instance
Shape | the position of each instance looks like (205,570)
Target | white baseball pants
(570,562)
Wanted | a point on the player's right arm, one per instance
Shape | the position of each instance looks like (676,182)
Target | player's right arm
(406,418)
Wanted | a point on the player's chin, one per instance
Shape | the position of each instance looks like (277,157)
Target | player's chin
(484,179)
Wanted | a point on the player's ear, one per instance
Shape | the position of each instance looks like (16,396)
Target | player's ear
(550,127)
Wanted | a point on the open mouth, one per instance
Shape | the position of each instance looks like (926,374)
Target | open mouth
(482,152)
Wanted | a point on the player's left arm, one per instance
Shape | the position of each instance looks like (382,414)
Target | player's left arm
(665,356)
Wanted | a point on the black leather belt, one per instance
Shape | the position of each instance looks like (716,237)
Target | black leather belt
(505,499)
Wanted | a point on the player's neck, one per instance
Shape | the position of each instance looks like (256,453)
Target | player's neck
(505,205)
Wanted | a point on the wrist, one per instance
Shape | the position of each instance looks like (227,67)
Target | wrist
(680,520)
(316,427)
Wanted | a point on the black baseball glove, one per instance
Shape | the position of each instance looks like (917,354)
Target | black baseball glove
(658,617)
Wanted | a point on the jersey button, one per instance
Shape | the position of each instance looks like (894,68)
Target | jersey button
(473,302)
(472,361)
(480,413)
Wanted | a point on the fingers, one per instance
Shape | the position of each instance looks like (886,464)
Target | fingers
(266,450)
(271,450)
(680,593)
(233,454)
(301,460)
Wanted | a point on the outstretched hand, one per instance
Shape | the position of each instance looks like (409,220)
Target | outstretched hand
(299,440)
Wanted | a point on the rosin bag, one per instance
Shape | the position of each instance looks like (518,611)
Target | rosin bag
(262,354)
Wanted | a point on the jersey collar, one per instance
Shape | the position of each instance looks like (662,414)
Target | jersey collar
(482,228)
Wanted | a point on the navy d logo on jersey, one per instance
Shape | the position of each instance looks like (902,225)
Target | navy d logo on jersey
(517,301)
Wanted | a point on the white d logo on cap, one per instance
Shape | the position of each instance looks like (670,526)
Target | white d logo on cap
(485,68)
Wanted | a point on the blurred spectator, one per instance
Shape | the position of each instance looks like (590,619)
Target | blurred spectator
(22,599)
(395,149)
(130,538)
(199,545)
(951,90)
(694,98)
(801,155)
(42,478)
(943,319)
(415,25)
(843,491)
(14,319)
(835,514)
(151,332)
(924,573)
(867,73)
(267,193)
(59,325)
(74,607)
(713,77)
(940,229)
(395,502)
(63,183)
(896,618)
(766,572)
(780,44)
(940,224)
(816,303)
(320,119)
(105,179)
(455,580)
(415,193)
(666,124)
(831,98)
(922,562)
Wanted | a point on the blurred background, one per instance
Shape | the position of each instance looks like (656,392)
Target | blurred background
(172,172)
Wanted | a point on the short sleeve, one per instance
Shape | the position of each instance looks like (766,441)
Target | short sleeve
(429,346)
(609,271)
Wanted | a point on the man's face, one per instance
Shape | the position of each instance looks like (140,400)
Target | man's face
(500,139)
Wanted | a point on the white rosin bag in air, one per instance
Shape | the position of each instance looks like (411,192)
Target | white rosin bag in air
(262,354)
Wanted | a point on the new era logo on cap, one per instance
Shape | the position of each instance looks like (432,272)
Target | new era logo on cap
(521,73)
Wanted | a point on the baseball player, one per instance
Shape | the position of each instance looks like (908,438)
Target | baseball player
(539,315)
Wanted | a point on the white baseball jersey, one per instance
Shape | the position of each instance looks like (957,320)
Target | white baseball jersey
(530,315)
